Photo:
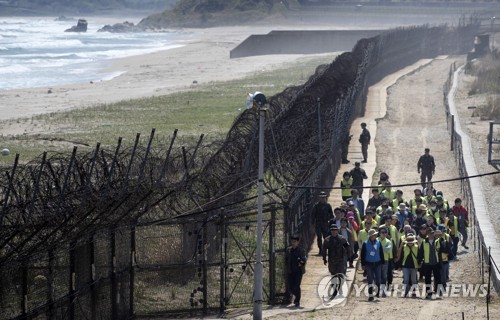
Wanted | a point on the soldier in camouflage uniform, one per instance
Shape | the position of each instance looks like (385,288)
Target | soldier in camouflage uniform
(321,213)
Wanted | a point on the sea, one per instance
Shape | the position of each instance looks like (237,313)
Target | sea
(36,52)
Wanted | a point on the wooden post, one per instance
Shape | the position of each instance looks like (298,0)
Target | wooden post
(452,131)
(132,268)
(272,258)
(72,280)
(222,270)
(114,282)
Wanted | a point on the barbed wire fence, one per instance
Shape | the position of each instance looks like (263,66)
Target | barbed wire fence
(159,227)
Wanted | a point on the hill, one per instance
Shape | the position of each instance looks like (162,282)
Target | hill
(69,7)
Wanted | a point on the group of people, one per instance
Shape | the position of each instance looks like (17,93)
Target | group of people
(419,236)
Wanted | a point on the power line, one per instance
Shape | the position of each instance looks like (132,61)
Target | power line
(396,185)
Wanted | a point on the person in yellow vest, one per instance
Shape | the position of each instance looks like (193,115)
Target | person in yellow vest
(388,193)
(429,255)
(442,218)
(369,216)
(346,184)
(398,200)
(388,246)
(454,234)
(445,245)
(441,203)
(432,209)
(384,209)
(364,235)
(415,202)
(445,202)
(407,256)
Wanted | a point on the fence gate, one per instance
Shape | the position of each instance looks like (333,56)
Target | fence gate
(239,254)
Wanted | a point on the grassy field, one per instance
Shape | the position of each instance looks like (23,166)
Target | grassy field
(209,109)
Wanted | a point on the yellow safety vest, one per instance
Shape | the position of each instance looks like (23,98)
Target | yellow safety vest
(427,249)
(363,235)
(374,223)
(396,203)
(454,230)
(387,254)
(346,192)
(394,234)
(390,195)
(406,253)
(444,256)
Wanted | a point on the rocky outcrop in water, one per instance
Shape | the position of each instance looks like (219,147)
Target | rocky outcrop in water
(121,28)
(81,26)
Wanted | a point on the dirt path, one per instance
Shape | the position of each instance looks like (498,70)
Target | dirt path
(416,119)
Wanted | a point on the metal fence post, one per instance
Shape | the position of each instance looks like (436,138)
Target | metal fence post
(489,285)
(272,260)
(132,268)
(113,277)
(72,280)
(222,270)
(204,265)
(452,131)
(24,301)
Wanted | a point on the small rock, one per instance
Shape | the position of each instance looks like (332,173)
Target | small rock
(49,91)
(195,82)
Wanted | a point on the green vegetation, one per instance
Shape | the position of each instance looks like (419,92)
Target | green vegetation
(486,72)
(210,109)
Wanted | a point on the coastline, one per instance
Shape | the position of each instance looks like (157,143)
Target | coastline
(202,58)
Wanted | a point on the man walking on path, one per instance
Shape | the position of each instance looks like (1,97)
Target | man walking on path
(364,139)
(295,261)
(358,174)
(321,213)
(426,167)
(463,220)
(335,250)
(372,260)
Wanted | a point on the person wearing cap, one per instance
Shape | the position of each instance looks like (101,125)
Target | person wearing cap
(372,260)
(320,215)
(335,250)
(358,174)
(445,245)
(463,220)
(429,256)
(407,257)
(351,206)
(346,184)
(398,200)
(375,201)
(364,139)
(295,261)
(426,167)
(441,203)
(389,247)
(445,202)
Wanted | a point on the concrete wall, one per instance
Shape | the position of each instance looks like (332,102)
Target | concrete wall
(301,42)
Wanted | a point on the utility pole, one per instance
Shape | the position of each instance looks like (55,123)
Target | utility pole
(259,101)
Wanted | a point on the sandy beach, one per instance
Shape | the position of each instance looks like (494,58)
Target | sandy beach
(203,57)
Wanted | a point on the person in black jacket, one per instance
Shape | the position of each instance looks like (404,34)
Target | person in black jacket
(426,167)
(358,174)
(295,262)
(321,213)
(364,139)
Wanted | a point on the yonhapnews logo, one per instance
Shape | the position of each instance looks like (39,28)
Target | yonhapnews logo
(333,290)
